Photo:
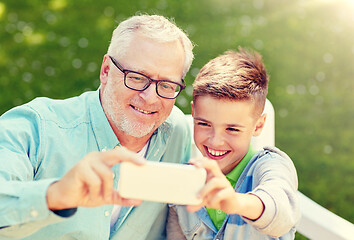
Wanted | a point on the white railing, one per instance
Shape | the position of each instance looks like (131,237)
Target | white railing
(316,223)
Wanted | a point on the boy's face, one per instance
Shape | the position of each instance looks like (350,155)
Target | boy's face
(223,129)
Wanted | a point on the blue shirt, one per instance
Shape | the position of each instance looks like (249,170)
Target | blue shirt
(40,141)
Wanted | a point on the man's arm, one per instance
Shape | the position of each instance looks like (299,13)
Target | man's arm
(90,182)
(26,201)
(22,200)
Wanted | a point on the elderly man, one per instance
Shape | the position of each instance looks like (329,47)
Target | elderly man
(58,172)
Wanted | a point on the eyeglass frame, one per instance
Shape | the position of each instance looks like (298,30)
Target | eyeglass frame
(126,71)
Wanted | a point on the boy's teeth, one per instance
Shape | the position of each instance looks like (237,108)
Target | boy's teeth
(216,152)
(141,110)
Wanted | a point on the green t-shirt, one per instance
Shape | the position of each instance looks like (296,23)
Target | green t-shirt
(218,216)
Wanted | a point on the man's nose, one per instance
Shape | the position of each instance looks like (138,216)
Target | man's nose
(149,95)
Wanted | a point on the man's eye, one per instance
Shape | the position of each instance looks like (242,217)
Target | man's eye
(167,86)
(134,77)
(137,79)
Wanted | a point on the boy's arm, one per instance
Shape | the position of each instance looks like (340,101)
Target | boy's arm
(219,194)
(272,207)
(275,182)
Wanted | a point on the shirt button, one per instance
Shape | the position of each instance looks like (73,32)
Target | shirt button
(218,212)
(106,213)
(34,213)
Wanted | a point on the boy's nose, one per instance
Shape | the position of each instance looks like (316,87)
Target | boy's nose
(216,139)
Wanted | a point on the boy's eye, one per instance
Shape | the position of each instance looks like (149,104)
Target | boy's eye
(233,129)
(202,124)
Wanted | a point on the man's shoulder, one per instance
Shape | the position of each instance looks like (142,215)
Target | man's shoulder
(61,110)
(175,126)
(47,103)
(177,118)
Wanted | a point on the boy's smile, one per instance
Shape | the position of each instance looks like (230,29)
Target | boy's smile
(223,129)
(215,154)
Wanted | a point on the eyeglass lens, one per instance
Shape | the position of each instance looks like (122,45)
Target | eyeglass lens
(140,82)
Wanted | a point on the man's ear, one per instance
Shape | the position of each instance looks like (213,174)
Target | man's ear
(192,105)
(259,125)
(104,70)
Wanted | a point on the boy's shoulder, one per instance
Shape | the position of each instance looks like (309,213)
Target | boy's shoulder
(269,158)
(272,152)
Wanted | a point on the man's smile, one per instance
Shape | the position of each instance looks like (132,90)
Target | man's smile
(141,110)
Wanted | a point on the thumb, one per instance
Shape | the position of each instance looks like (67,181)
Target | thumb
(121,154)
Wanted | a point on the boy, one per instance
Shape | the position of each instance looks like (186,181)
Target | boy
(247,195)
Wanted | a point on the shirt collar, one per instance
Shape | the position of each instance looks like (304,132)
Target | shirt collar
(236,172)
(105,137)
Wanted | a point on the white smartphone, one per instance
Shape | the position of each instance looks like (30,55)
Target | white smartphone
(161,182)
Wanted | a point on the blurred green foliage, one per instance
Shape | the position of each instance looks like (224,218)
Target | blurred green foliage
(55,48)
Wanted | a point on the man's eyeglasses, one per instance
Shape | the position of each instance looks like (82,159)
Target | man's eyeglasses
(139,82)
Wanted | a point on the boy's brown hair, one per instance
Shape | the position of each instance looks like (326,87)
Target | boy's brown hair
(234,76)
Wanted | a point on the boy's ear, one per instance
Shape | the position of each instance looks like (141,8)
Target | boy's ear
(104,70)
(259,125)
(192,105)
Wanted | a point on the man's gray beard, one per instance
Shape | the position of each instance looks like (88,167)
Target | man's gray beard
(132,128)
(124,124)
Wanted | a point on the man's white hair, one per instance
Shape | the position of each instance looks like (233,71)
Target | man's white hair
(153,27)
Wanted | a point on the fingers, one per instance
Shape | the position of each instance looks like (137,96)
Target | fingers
(91,181)
(100,178)
(109,159)
(217,192)
(117,199)
(96,181)
(217,201)
(194,208)
(212,185)
(120,154)
(106,178)
(210,194)
(210,166)
(217,198)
